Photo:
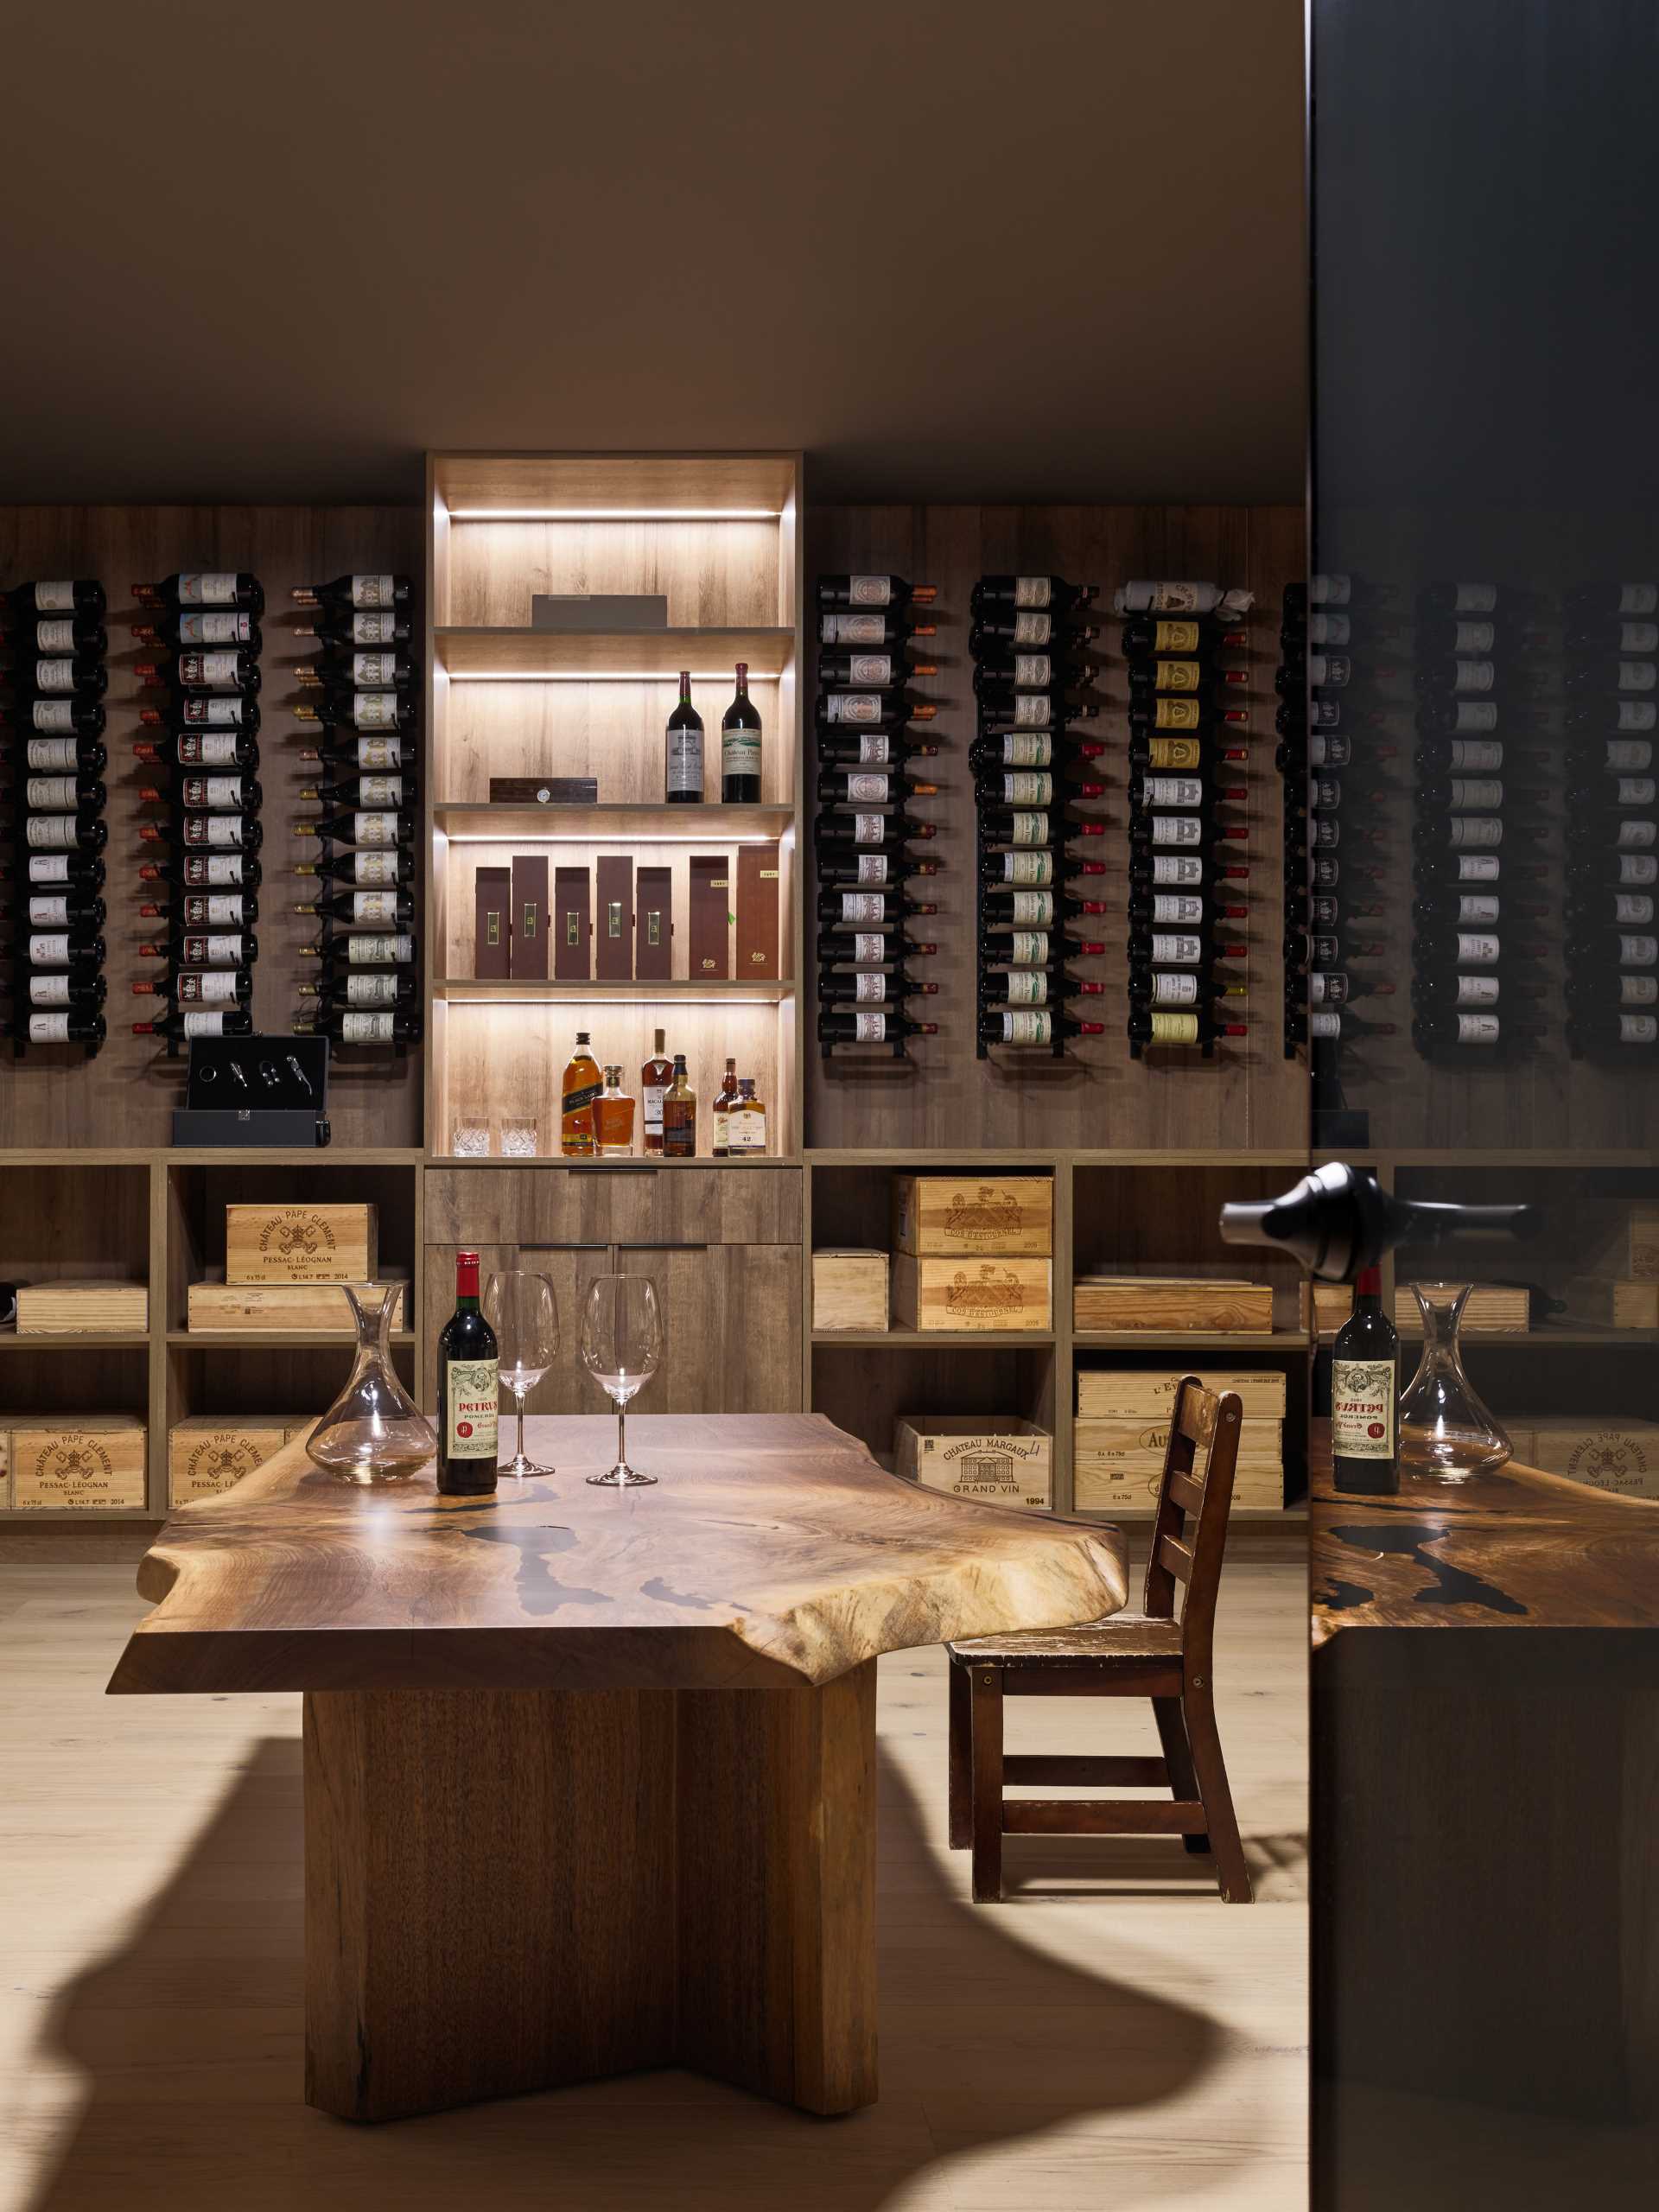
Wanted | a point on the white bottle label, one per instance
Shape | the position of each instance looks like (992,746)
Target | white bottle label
(1474,637)
(216,867)
(213,587)
(863,906)
(876,670)
(1178,950)
(374,591)
(870,947)
(367,1029)
(1027,752)
(1638,990)
(1031,628)
(853,707)
(1638,599)
(1635,675)
(47,867)
(1027,787)
(55,675)
(852,630)
(1027,868)
(1475,599)
(207,988)
(203,1024)
(53,714)
(371,990)
(54,832)
(1637,951)
(1029,830)
(1028,948)
(1177,1028)
(1479,909)
(872,868)
(1167,868)
(1475,676)
(214,714)
(740,750)
(214,792)
(56,598)
(1638,637)
(1478,948)
(870,1028)
(1477,1029)
(1327,990)
(54,637)
(1635,835)
(1476,794)
(396,951)
(214,911)
(48,951)
(49,1029)
(48,913)
(869,828)
(1176,829)
(1325,629)
(746,1131)
(1475,830)
(1170,791)
(1032,591)
(1481,755)
(870,990)
(1032,710)
(210,671)
(1635,713)
(1637,868)
(1031,909)
(1636,790)
(1477,867)
(1638,1029)
(373,829)
(49,991)
(1177,909)
(1174,990)
(868,789)
(869,591)
(205,629)
(213,829)
(1032,671)
(875,752)
(1632,906)
(1627,756)
(651,1095)
(52,793)
(379,710)
(1029,1027)
(1362,1408)
(1477,990)
(1474,714)
(1025,987)
(379,753)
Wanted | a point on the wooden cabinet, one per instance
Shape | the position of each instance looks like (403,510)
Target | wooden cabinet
(604,1204)
(732,1325)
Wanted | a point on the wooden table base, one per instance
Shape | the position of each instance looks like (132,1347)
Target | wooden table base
(512,1889)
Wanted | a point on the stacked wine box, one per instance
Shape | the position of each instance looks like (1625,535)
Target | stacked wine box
(1185,644)
(360,698)
(1029,640)
(204,702)
(868,919)
(1478,830)
(1612,681)
(54,832)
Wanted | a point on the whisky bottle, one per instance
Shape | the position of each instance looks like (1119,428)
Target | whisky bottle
(722,1101)
(613,1118)
(654,1078)
(679,1114)
(746,1124)
(578,1091)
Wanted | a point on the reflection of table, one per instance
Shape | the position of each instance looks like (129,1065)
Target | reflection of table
(553,1828)
(1486,1805)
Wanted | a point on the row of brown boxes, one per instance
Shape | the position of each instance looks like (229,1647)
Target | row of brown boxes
(1122,1433)
(95,1463)
(969,1253)
(283,1265)
(615,923)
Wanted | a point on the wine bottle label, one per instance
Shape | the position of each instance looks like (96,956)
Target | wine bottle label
(1029,830)
(1477,949)
(52,714)
(1638,990)
(1176,829)
(1327,989)
(1176,950)
(869,591)
(213,868)
(52,793)
(1635,713)
(1638,1029)
(1476,794)
(877,669)
(49,1029)
(1627,756)
(1637,675)
(1323,1026)
(869,945)
(1638,599)
(869,828)
(48,951)
(863,906)
(211,911)
(1480,755)
(852,630)
(1172,790)
(1635,835)
(1477,867)
(1032,710)
(1475,830)
(214,714)
(47,867)
(370,991)
(1031,909)
(373,829)
(875,752)
(1175,752)
(1361,1409)
(1478,909)
(379,753)
(1474,637)
(207,629)
(1177,714)
(393,951)
(870,1028)
(1477,990)
(1032,671)
(1167,868)
(210,671)
(1638,637)
(1329,668)
(1032,591)
(54,637)
(1323,791)
(51,913)
(206,987)
(213,587)
(1025,987)
(1636,790)
(1185,637)
(1033,628)
(745,1130)
(1475,676)
(1027,868)
(55,675)
(1324,713)
(1028,948)
(1327,833)
(1028,787)
(1475,599)
(1027,752)
(1637,868)
(1637,951)
(471,1395)
(213,829)
(374,671)
(201,1025)
(374,591)
(55,833)
(853,707)
(1174,989)
(1174,1029)
(739,751)
(1323,591)
(211,752)
(376,709)
(1180,676)
(367,1029)
(873,868)
(685,769)
(651,1095)
(213,792)
(1027,1028)
(1172,908)
(214,951)
(870,990)
(1477,1029)
(869,790)
(56,598)
(1171,598)
(1474,714)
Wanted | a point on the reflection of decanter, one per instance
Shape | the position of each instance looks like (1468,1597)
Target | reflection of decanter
(1446,1433)
(374,1432)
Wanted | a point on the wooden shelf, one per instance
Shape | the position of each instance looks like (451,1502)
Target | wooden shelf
(65,1340)
(655,656)
(639,1162)
(458,989)
(600,486)
(632,821)
(1190,1340)
(273,1339)
(936,1339)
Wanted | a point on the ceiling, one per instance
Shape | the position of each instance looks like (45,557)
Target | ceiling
(955,250)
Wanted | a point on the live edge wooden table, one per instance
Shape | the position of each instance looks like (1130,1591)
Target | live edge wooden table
(1485,1838)
(590,1775)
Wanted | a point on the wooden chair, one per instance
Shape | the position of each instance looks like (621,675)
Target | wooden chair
(1152,1654)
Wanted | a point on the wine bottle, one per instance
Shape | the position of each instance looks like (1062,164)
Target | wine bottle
(58,717)
(581,1087)
(56,794)
(218,588)
(1033,868)
(682,773)
(1170,712)
(1609,1031)
(362,627)
(468,1392)
(1463,866)
(59,833)
(1150,794)
(872,671)
(872,749)
(363,826)
(364,948)
(1454,833)
(1194,868)
(1333,1025)
(1028,787)
(1029,630)
(1446,596)
(868,909)
(211,910)
(1364,1395)
(345,595)
(1028,672)
(209,831)
(82,595)
(202,711)
(882,832)
(362,709)
(221,749)
(1469,909)
(861,592)
(1341,986)
(362,1025)
(352,670)
(1037,910)
(866,787)
(1029,749)
(201,627)
(1034,986)
(205,871)
(81,675)
(1183,634)
(82,989)
(208,794)
(1033,1024)
(193,1022)
(1033,710)
(1164,596)
(870,1025)
(1194,832)
(59,910)
(370,868)
(60,1028)
(42,868)
(889,711)
(1176,755)
(1197,679)
(59,949)
(1610,674)
(392,987)
(1179,910)
(369,755)
(368,791)
(384,909)
(1038,948)
(1453,988)
(871,948)
(1615,948)
(64,633)
(870,869)
(236,672)
(205,948)
(1453,1033)
(869,627)
(202,987)
(1049,594)
(875,987)
(1604,908)
(739,746)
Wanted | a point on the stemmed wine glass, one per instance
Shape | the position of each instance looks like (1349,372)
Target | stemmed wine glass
(522,1310)
(621,1345)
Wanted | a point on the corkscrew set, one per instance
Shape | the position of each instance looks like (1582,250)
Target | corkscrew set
(52,832)
(863,831)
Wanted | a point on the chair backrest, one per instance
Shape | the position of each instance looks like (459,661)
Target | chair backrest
(1189,1530)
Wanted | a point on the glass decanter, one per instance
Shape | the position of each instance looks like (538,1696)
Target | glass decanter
(1445,1434)
(374,1432)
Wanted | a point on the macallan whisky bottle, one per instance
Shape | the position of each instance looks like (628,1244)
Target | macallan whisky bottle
(578,1094)
(655,1076)
(725,1099)
(613,1118)
(680,1115)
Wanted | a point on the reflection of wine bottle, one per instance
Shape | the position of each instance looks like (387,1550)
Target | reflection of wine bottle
(1610,1033)
(1364,1395)
(1454,1033)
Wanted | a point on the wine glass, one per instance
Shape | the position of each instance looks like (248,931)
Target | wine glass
(522,1310)
(621,1344)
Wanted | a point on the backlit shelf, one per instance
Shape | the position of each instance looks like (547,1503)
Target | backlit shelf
(502,656)
(632,823)
(700,989)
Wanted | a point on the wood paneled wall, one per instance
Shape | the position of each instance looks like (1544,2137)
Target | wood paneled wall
(1250,1096)
(126,1096)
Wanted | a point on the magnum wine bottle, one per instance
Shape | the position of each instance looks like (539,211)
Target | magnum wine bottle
(739,746)
(1364,1395)
(468,1392)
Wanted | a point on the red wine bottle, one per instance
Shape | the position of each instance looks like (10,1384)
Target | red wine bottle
(362,627)
(1033,1024)
(345,595)
(682,750)
(81,595)
(205,626)
(196,1021)
(739,746)
(353,670)
(858,593)
(204,588)
(1364,1395)
(1046,595)
(468,1392)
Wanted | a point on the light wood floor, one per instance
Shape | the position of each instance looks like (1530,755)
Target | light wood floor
(1113,2036)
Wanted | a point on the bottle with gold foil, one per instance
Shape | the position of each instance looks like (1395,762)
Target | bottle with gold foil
(680,1115)
(613,1118)
(579,1094)
(746,1124)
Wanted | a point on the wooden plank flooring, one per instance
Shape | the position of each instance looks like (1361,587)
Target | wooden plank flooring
(1113,2036)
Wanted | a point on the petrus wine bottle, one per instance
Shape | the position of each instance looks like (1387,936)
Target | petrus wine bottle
(856,593)
(739,746)
(81,595)
(345,595)
(868,626)
(1047,595)
(214,587)
(469,1391)
(1364,1395)
(872,671)
(362,627)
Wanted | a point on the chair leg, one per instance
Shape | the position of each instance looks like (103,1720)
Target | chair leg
(960,1760)
(1197,1708)
(1178,1757)
(986,1708)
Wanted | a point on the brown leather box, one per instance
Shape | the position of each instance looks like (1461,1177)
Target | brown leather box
(709,929)
(530,913)
(572,927)
(613,923)
(653,914)
(491,938)
(757,912)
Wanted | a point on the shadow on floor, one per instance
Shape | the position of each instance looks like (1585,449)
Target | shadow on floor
(188,2042)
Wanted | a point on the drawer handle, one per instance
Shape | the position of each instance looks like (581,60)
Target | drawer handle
(523,1247)
(613,1167)
(661,1245)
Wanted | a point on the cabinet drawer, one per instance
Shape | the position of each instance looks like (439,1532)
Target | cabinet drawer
(580,1205)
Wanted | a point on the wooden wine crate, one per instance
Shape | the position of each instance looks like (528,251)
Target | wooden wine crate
(255,1305)
(1107,1443)
(300,1242)
(207,1452)
(1632,1304)
(1000,1460)
(1170,1302)
(973,1216)
(93,1463)
(849,1289)
(1621,1455)
(1121,1486)
(1326,1306)
(931,1294)
(1631,1247)
(1490,1308)
(65,1309)
(1144,1393)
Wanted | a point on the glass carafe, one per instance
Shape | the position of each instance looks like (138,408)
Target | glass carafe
(374,1432)
(1446,1433)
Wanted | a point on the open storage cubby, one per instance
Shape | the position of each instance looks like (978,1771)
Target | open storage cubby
(1161,1220)
(866,1392)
